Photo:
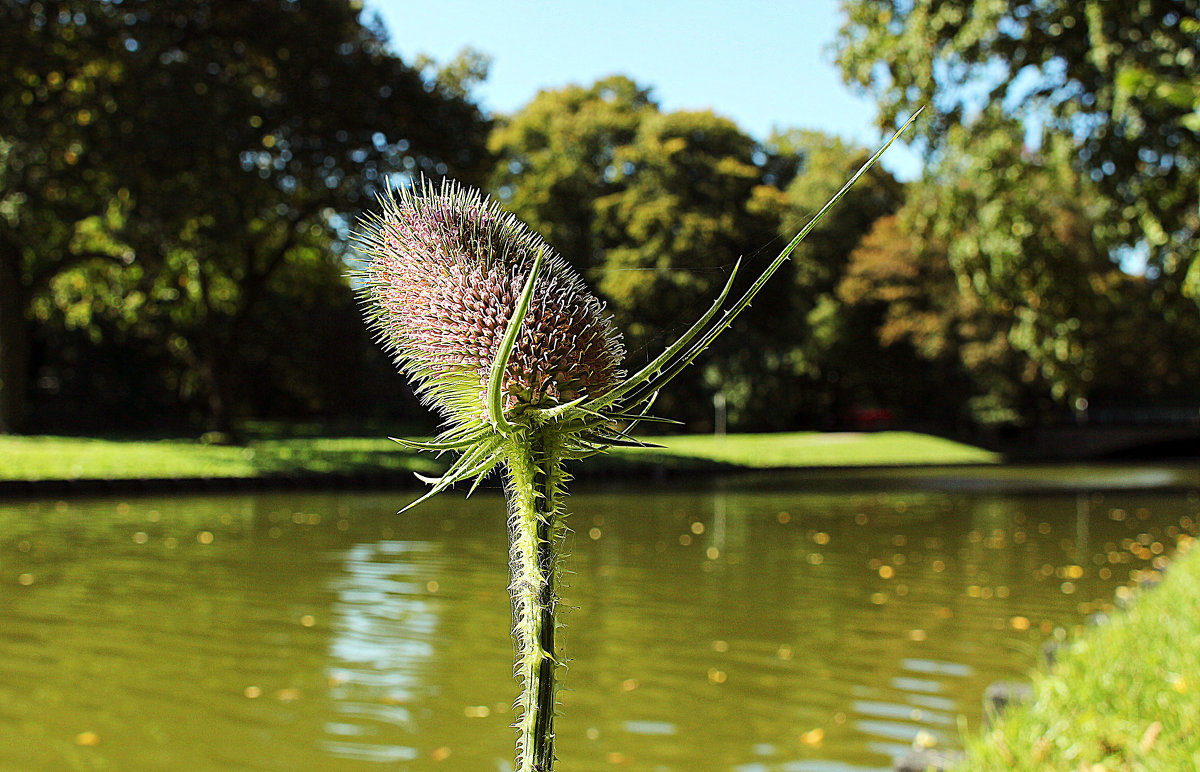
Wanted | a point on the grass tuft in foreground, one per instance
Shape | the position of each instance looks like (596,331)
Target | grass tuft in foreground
(1125,696)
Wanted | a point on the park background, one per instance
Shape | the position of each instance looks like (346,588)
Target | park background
(179,187)
(181,183)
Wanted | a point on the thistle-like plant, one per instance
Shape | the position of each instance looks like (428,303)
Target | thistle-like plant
(501,336)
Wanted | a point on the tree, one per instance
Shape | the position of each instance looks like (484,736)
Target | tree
(1108,76)
(237,143)
(834,353)
(557,156)
(995,261)
(56,87)
(655,209)
(693,200)
(906,280)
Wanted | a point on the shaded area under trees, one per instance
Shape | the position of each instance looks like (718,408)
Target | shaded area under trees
(186,174)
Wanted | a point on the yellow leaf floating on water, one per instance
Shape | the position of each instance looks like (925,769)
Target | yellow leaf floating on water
(924,740)
(813,737)
(87,739)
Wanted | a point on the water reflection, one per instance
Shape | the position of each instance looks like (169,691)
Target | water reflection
(752,627)
(384,632)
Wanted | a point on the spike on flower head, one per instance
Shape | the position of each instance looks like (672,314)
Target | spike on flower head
(448,268)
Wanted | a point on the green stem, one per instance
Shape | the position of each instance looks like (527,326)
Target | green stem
(535,480)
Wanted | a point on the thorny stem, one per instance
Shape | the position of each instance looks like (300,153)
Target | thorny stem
(535,480)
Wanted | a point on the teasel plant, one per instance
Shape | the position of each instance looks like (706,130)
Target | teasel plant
(501,337)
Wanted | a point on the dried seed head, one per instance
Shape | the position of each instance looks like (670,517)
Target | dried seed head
(447,268)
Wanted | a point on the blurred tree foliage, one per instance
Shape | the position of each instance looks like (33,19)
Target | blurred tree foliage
(1061,140)
(555,159)
(189,171)
(50,187)
(1000,274)
(179,181)
(1119,78)
(834,359)
(655,209)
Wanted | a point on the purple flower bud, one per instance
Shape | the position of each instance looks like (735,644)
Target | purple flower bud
(447,267)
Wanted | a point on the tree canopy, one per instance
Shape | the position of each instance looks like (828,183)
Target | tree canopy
(1061,144)
(211,160)
(654,207)
(179,183)
(1117,78)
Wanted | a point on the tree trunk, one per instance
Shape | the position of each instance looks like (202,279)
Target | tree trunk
(14,350)
(219,375)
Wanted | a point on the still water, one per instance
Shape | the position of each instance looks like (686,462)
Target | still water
(748,625)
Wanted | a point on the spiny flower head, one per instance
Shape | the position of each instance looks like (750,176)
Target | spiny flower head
(500,335)
(448,267)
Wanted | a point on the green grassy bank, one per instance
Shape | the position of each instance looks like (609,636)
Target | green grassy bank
(807,449)
(75,458)
(1124,696)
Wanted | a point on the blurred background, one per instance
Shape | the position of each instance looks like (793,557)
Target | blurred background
(180,181)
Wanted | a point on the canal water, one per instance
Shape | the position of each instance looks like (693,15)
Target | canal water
(808,623)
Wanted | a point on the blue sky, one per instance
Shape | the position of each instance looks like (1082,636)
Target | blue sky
(763,63)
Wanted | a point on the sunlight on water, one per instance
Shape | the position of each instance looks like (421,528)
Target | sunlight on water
(752,626)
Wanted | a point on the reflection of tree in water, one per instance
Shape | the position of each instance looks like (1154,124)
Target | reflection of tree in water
(385,625)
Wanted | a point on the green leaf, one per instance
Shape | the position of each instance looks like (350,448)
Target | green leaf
(495,395)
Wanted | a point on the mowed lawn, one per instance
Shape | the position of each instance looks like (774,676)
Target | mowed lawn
(809,449)
(74,458)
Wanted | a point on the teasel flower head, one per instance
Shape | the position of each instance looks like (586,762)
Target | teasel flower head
(500,335)
(448,269)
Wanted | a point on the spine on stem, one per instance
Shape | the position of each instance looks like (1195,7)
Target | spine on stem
(535,479)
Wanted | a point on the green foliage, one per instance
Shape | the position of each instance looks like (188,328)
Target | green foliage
(556,158)
(1117,79)
(655,208)
(188,171)
(1058,145)
(1021,239)
(833,359)
(824,160)
(54,90)
(682,215)
(995,267)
